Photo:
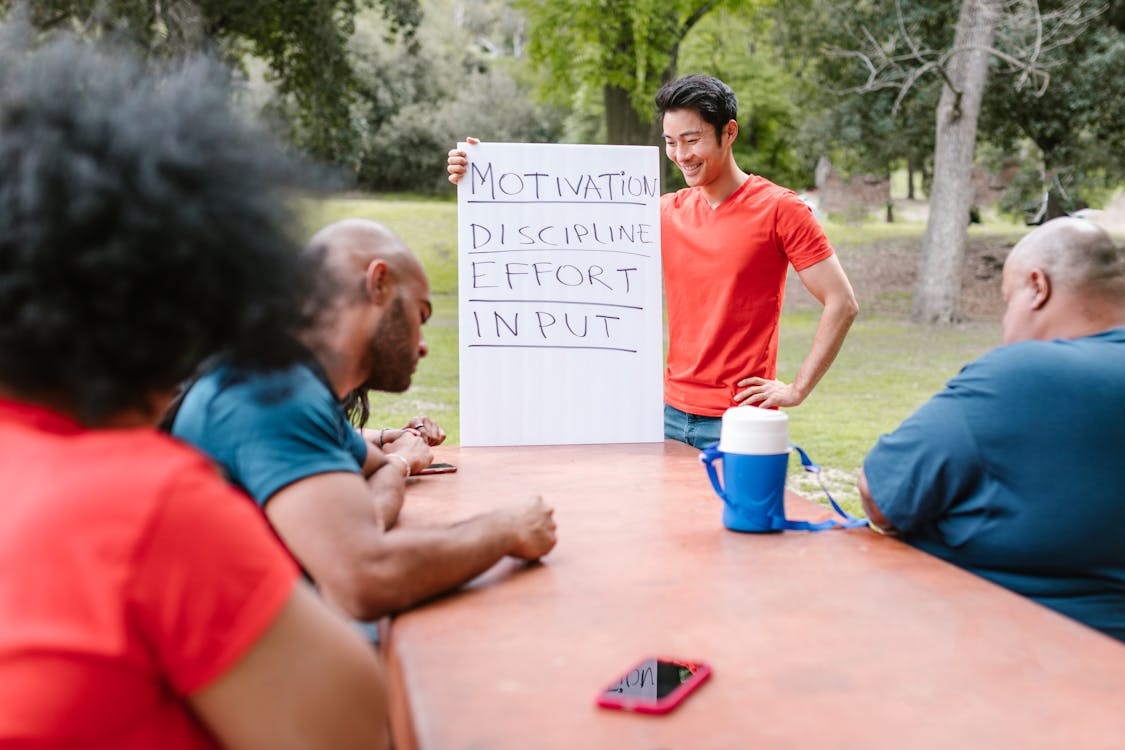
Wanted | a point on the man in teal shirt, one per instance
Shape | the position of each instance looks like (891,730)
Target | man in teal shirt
(1011,470)
(332,496)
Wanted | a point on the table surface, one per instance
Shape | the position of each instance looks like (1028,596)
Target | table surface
(836,639)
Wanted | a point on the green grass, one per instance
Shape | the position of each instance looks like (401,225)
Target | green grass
(886,369)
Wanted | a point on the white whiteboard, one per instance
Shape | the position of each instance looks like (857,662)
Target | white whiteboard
(560,311)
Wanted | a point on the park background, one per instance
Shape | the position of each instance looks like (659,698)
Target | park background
(1005,111)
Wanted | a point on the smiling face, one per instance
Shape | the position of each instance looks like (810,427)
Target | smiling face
(692,144)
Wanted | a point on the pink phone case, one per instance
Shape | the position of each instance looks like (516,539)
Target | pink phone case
(658,705)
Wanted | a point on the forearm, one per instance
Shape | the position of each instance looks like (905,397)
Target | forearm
(388,491)
(874,515)
(835,321)
(411,564)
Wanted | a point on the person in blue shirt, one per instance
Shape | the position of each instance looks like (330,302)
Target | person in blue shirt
(1011,471)
(333,496)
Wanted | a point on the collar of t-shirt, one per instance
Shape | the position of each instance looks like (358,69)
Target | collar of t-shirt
(38,417)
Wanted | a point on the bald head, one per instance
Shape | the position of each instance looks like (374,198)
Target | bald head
(369,302)
(1065,279)
(1077,255)
(343,251)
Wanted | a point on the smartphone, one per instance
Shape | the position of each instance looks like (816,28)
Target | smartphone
(438,468)
(655,685)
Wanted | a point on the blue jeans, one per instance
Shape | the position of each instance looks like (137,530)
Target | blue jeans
(693,429)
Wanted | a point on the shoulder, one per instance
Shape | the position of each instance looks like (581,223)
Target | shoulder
(1047,369)
(141,465)
(759,189)
(1015,362)
(227,395)
(679,200)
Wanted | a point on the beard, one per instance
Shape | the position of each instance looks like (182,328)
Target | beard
(393,354)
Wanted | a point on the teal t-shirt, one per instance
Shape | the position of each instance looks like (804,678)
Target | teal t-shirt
(1013,472)
(268,430)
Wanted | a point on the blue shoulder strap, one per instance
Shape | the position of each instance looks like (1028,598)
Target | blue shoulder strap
(849,522)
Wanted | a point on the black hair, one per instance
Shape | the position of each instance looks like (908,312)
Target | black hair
(143,227)
(711,98)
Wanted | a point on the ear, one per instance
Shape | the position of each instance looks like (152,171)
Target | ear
(377,282)
(731,130)
(1040,283)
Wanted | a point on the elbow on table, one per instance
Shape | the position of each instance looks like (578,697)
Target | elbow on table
(370,590)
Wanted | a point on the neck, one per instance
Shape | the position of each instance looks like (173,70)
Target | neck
(60,404)
(54,402)
(1086,315)
(327,346)
(720,189)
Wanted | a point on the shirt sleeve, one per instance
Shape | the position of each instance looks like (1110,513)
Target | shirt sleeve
(918,472)
(799,234)
(283,441)
(211,578)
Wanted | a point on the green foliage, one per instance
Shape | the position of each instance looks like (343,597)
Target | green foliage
(418,98)
(1075,125)
(861,132)
(302,41)
(736,47)
(623,49)
(623,43)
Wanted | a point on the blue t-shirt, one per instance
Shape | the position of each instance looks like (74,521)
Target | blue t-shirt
(1013,472)
(268,430)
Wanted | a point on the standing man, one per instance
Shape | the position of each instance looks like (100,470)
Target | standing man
(1012,470)
(333,496)
(727,241)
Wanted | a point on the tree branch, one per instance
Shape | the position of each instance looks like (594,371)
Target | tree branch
(1026,34)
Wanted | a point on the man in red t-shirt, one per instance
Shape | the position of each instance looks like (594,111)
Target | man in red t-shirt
(727,241)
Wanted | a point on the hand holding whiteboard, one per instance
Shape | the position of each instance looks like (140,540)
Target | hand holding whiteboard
(560,303)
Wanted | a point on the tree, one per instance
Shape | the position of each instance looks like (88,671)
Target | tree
(302,41)
(1015,33)
(862,129)
(1075,125)
(937,298)
(736,46)
(626,49)
(460,75)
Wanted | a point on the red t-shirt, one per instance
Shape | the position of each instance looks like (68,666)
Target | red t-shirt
(724,281)
(131,576)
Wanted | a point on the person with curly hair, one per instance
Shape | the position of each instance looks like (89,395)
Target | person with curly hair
(144,602)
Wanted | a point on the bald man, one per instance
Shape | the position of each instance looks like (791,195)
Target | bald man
(333,496)
(1013,470)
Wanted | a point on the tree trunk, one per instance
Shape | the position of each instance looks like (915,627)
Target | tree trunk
(937,298)
(909,179)
(624,127)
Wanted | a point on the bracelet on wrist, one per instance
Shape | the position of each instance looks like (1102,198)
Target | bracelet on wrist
(405,463)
